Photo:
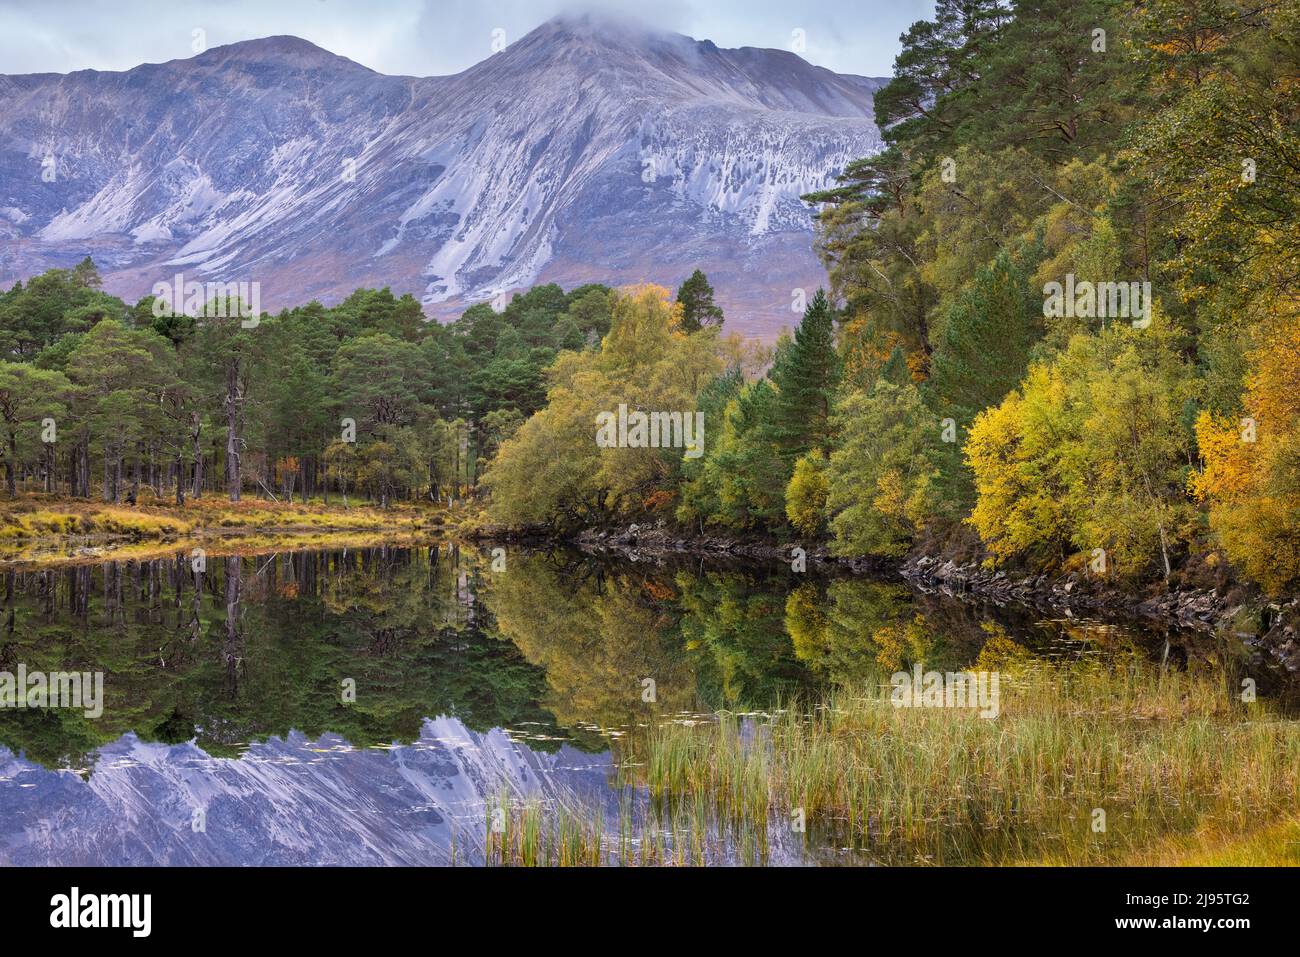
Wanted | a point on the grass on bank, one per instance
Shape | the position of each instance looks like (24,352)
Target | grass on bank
(62,553)
(65,521)
(41,519)
(1274,845)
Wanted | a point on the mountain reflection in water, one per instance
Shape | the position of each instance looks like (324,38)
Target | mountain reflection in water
(284,801)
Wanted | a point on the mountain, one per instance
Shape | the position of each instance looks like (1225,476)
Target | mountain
(591,149)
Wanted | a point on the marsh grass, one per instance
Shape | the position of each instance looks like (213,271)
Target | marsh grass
(534,833)
(530,834)
(1276,845)
(39,527)
(106,520)
(1184,772)
(1163,753)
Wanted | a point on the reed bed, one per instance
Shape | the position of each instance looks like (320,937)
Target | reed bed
(1087,762)
(1160,753)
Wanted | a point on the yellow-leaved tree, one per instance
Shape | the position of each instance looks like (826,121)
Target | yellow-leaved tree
(1251,478)
(1090,454)
(805,496)
(553,470)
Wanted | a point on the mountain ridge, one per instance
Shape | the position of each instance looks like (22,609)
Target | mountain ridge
(573,154)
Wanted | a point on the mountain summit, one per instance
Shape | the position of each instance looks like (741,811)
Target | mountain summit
(589,149)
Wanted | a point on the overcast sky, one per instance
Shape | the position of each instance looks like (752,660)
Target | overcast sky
(427,37)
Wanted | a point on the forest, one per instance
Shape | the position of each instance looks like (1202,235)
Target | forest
(1060,330)
(939,395)
(366,398)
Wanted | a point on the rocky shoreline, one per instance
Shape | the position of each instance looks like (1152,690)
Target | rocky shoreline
(644,542)
(1270,627)
(650,540)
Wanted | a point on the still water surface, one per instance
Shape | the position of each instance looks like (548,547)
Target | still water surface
(230,734)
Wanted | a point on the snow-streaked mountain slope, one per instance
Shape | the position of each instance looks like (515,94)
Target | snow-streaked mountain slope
(590,149)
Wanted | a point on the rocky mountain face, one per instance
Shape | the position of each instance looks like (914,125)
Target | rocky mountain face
(588,150)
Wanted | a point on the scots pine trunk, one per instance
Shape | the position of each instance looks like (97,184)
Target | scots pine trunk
(196,434)
(232,430)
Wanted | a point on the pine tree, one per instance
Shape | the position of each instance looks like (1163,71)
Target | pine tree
(698,309)
(983,350)
(86,275)
(806,375)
